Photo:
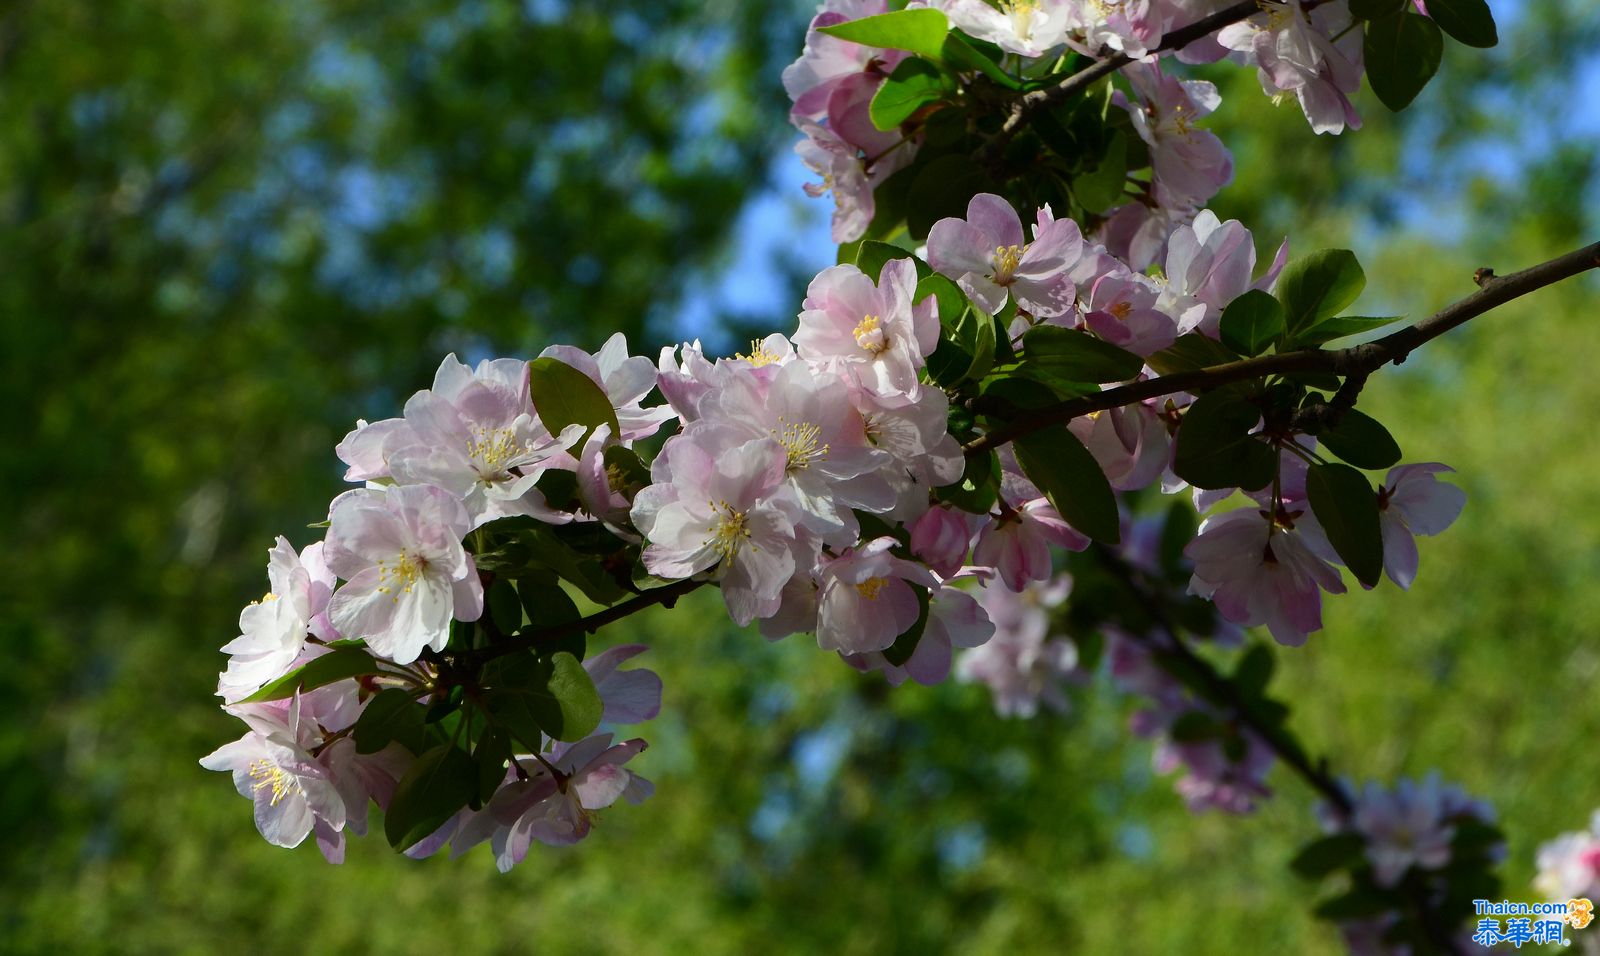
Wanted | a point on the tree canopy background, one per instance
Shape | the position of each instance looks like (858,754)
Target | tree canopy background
(229,229)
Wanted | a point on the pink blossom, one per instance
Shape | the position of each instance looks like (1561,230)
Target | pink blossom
(1017,544)
(990,258)
(366,449)
(828,61)
(1296,52)
(1414,501)
(625,380)
(1190,164)
(955,619)
(1261,571)
(717,503)
(1022,664)
(406,573)
(1121,308)
(1408,827)
(872,334)
(1209,264)
(273,766)
(848,175)
(1131,444)
(630,696)
(1132,27)
(866,598)
(921,454)
(1569,865)
(942,538)
(273,630)
(1027,28)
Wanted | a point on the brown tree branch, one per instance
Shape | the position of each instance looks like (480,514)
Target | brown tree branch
(1355,362)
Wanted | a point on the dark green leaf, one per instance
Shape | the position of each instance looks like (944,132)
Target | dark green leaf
(1176,533)
(951,300)
(505,608)
(527,695)
(490,756)
(872,256)
(975,491)
(1252,322)
(1075,354)
(1468,21)
(393,715)
(1361,440)
(1320,857)
(961,55)
(1347,508)
(1215,449)
(1054,459)
(546,602)
(1063,386)
(1359,902)
(920,31)
(1190,352)
(906,644)
(440,782)
(914,84)
(1100,189)
(942,190)
(626,472)
(1340,326)
(1253,671)
(564,396)
(1318,286)
(1402,53)
(336,665)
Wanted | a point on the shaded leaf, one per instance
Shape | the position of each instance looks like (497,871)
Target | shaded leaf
(393,715)
(1252,322)
(1347,508)
(336,665)
(1402,53)
(440,782)
(1318,286)
(564,396)
(1054,459)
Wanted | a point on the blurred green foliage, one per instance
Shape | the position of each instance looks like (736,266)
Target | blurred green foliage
(230,229)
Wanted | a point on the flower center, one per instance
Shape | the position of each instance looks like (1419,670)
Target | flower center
(870,335)
(799,440)
(268,774)
(759,357)
(872,587)
(402,574)
(1005,260)
(729,531)
(1021,13)
(495,450)
(1120,311)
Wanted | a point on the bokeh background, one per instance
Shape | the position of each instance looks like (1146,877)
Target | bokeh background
(229,228)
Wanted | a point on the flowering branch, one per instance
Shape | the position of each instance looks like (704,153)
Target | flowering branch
(1355,362)
(528,640)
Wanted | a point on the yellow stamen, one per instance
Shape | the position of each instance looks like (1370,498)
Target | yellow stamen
(268,774)
(759,356)
(871,587)
(799,440)
(1005,260)
(1120,311)
(870,334)
(404,573)
(729,533)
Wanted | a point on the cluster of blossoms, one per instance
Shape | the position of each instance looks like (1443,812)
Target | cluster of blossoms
(1303,48)
(1569,865)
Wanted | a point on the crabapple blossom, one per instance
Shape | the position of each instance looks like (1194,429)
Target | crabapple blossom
(1190,164)
(1305,51)
(1023,664)
(955,619)
(1025,27)
(1209,264)
(866,599)
(873,334)
(1017,542)
(1414,501)
(406,574)
(1569,865)
(625,379)
(1258,569)
(273,630)
(990,258)
(1410,826)
(828,61)
(1121,308)
(942,538)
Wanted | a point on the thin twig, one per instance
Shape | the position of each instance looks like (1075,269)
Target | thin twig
(1358,360)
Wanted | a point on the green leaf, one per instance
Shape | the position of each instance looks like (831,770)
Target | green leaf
(1079,356)
(920,31)
(1215,449)
(393,715)
(1176,533)
(1252,322)
(505,608)
(527,695)
(1319,286)
(626,472)
(951,300)
(490,756)
(1402,53)
(914,84)
(440,782)
(1320,857)
(1190,352)
(1341,326)
(1347,508)
(564,396)
(1467,21)
(1253,671)
(1359,902)
(1361,440)
(975,491)
(984,339)
(873,255)
(942,190)
(1063,386)
(1054,459)
(906,644)
(1373,9)
(546,602)
(960,55)
(1100,189)
(335,665)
